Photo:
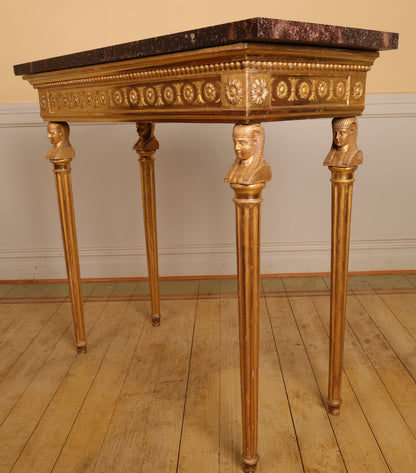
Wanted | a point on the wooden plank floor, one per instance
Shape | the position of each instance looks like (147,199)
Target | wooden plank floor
(167,399)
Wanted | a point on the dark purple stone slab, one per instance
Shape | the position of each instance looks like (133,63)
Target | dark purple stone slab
(264,30)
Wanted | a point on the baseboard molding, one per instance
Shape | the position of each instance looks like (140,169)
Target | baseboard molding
(287,258)
(390,105)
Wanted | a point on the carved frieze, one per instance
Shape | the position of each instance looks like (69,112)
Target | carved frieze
(149,95)
(312,89)
(198,90)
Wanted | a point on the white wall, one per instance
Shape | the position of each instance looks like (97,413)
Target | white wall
(195,208)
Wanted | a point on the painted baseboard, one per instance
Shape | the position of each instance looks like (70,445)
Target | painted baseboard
(198,260)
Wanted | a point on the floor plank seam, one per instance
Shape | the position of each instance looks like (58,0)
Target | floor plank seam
(52,397)
(357,397)
(34,375)
(31,341)
(88,390)
(377,372)
(376,430)
(187,384)
(386,339)
(118,398)
(290,407)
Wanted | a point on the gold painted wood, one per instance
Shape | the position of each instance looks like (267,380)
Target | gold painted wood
(248,176)
(60,155)
(342,182)
(344,151)
(240,82)
(343,160)
(146,147)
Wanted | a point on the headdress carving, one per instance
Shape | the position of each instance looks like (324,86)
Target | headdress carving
(344,151)
(249,167)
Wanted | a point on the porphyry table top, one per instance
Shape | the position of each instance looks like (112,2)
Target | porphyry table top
(257,30)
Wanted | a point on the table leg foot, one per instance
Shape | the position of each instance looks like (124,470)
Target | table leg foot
(82,349)
(60,155)
(250,464)
(334,406)
(146,148)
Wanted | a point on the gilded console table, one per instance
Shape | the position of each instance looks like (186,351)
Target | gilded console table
(245,73)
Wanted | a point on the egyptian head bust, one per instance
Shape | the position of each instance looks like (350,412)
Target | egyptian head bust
(58,135)
(344,151)
(147,142)
(249,167)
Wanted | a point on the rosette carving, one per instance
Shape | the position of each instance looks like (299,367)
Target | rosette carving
(259,91)
(358,90)
(282,89)
(314,89)
(234,91)
(189,93)
(210,92)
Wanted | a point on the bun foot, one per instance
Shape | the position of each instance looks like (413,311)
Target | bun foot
(82,349)
(334,406)
(250,464)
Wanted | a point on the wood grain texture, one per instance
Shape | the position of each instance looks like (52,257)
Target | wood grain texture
(167,399)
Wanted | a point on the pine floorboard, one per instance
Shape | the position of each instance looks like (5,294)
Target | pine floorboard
(167,399)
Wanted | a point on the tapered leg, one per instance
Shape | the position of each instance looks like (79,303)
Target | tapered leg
(247,177)
(342,183)
(247,202)
(342,161)
(60,155)
(146,147)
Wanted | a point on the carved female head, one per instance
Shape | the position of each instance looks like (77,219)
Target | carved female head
(344,131)
(248,141)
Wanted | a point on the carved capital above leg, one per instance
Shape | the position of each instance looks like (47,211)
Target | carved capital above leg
(61,152)
(147,144)
(249,167)
(344,152)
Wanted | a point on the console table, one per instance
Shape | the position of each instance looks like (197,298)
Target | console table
(244,72)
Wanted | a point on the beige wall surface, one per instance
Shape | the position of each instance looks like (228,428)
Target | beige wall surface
(37,30)
(196,227)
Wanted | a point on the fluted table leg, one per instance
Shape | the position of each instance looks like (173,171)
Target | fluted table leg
(146,147)
(247,177)
(342,182)
(342,160)
(60,155)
